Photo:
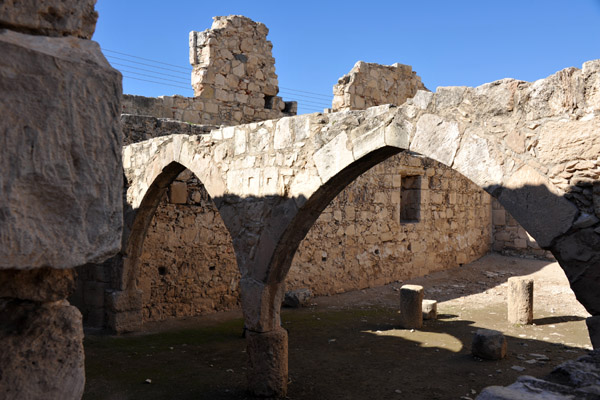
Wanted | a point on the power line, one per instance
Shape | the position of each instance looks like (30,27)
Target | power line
(302,91)
(147,59)
(148,65)
(290,91)
(159,83)
(302,95)
(152,76)
(146,70)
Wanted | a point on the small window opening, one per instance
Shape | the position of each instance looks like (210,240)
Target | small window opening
(410,199)
(269,102)
(162,270)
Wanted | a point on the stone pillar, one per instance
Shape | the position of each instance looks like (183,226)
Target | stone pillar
(411,312)
(429,309)
(520,300)
(41,336)
(268,363)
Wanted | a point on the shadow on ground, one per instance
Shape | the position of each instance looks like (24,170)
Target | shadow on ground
(342,354)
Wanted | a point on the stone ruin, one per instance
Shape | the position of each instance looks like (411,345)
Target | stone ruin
(532,146)
(233,78)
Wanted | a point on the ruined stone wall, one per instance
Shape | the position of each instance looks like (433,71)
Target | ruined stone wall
(233,78)
(369,84)
(188,263)
(361,241)
(512,239)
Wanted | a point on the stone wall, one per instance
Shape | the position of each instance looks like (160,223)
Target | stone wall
(233,78)
(512,239)
(188,264)
(369,84)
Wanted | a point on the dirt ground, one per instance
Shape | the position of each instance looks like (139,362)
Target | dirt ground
(348,346)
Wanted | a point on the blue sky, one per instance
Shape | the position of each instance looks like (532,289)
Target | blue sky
(448,43)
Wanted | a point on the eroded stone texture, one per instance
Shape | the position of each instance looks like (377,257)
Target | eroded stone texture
(489,344)
(369,84)
(520,300)
(268,363)
(42,351)
(411,311)
(60,202)
(50,18)
(42,285)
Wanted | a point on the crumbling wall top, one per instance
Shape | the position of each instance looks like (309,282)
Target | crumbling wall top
(370,84)
(233,59)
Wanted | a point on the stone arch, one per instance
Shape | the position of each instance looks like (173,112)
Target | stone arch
(149,168)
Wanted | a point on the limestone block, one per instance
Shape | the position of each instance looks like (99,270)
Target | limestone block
(51,18)
(268,363)
(61,190)
(437,138)
(42,351)
(178,193)
(43,285)
(489,344)
(297,298)
(429,309)
(411,300)
(520,300)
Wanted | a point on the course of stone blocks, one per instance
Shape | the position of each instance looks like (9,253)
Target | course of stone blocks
(532,146)
(60,189)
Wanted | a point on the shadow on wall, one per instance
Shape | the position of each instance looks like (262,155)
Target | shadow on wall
(266,232)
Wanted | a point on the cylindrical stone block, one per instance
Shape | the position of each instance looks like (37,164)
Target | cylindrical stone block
(429,309)
(489,344)
(411,301)
(268,363)
(520,300)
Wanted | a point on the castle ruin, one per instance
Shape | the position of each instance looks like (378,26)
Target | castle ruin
(271,176)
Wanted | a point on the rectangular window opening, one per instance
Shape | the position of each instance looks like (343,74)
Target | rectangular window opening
(410,199)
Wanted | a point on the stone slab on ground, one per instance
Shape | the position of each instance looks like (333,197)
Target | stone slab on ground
(297,298)
(489,344)
(574,379)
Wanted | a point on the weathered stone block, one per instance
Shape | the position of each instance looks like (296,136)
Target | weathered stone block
(61,189)
(520,300)
(268,363)
(42,341)
(43,285)
(297,298)
(429,309)
(489,344)
(50,18)
(411,300)
(178,193)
